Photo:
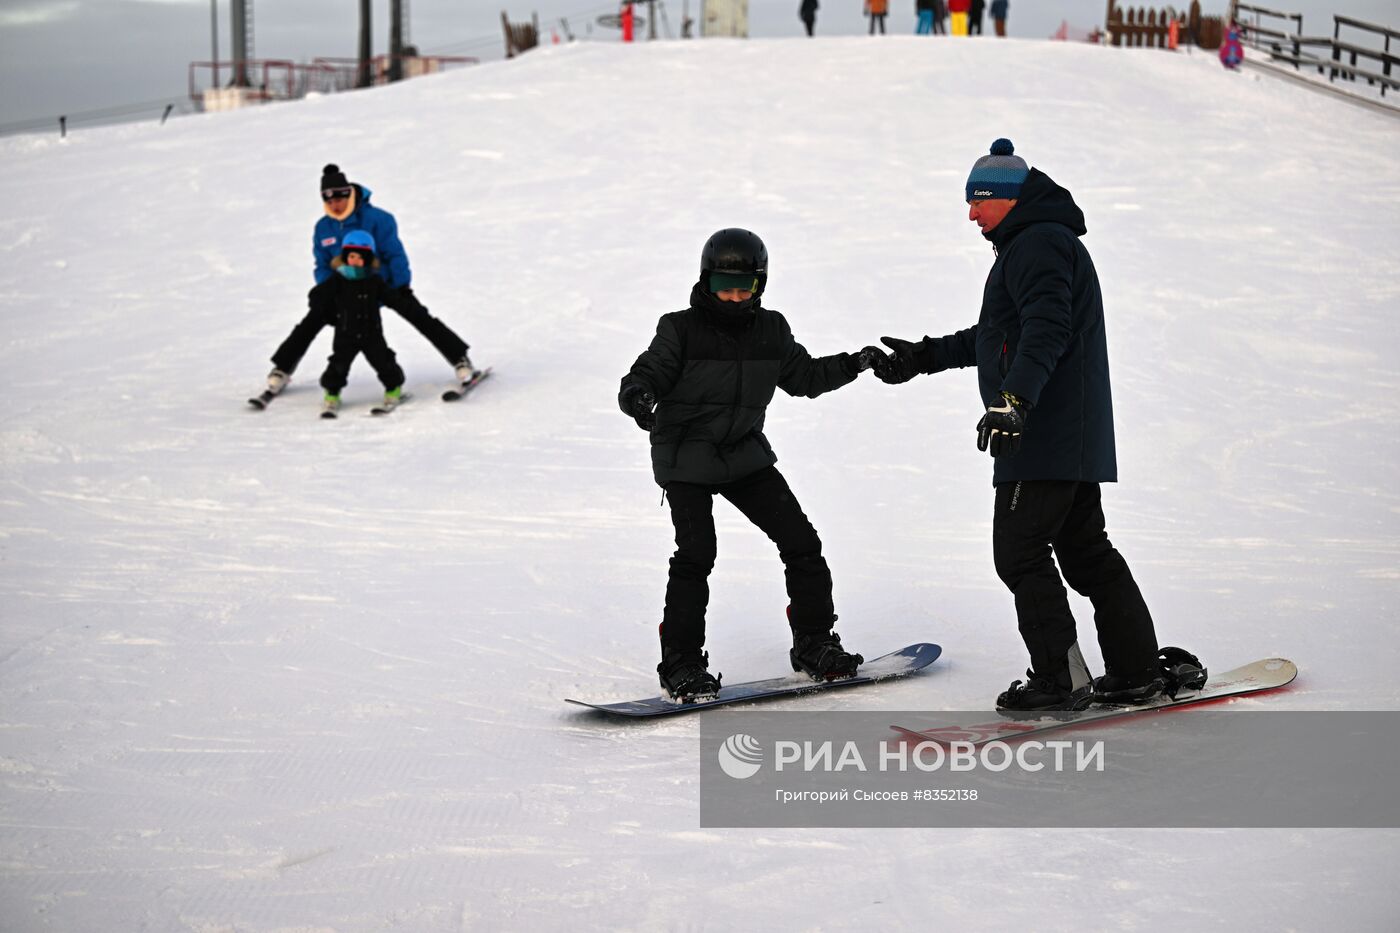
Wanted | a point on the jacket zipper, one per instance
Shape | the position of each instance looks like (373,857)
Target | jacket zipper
(738,383)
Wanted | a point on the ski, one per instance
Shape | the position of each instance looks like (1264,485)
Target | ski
(1258,677)
(461,390)
(262,400)
(387,406)
(899,663)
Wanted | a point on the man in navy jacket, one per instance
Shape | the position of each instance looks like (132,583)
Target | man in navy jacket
(348,208)
(1042,370)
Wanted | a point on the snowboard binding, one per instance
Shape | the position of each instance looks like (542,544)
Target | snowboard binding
(1182,672)
(686,677)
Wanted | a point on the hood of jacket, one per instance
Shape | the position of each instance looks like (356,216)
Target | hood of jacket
(359,197)
(1041,201)
(338,260)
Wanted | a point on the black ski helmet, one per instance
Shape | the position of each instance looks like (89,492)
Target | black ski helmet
(736,251)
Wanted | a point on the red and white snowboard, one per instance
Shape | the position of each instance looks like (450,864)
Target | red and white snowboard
(1261,676)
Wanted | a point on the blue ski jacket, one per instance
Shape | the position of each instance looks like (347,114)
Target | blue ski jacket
(378,223)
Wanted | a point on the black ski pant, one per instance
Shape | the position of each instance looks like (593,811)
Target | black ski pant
(442,337)
(765,499)
(1034,519)
(348,345)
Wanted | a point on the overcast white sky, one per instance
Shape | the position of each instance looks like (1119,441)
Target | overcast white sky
(69,56)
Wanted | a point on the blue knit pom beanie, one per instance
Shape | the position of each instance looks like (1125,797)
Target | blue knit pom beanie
(999,175)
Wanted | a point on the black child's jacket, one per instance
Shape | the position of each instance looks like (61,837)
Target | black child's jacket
(353,305)
(713,378)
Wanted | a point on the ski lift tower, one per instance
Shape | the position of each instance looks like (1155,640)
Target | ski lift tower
(238,91)
(241,40)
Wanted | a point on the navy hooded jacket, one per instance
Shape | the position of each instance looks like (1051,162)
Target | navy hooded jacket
(1041,337)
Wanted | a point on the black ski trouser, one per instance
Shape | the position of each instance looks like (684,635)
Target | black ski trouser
(1031,520)
(765,499)
(349,345)
(442,337)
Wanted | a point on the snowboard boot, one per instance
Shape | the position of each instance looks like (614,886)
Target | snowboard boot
(465,370)
(1042,693)
(1182,672)
(277,381)
(686,677)
(393,396)
(820,656)
(330,405)
(1118,689)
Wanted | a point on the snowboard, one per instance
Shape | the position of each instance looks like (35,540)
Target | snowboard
(899,663)
(1258,677)
(461,390)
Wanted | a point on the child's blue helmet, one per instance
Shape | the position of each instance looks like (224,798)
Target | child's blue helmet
(358,239)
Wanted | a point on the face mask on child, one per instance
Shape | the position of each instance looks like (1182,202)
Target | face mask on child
(353,273)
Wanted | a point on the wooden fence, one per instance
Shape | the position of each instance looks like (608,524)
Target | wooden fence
(1146,28)
(520,37)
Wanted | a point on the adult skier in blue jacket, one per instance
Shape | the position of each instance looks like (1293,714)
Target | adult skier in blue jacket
(1041,355)
(347,209)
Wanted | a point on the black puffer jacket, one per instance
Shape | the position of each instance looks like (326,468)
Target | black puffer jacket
(352,305)
(713,376)
(1041,337)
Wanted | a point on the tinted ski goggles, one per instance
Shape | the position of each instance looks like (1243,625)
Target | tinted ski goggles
(723,281)
(330,194)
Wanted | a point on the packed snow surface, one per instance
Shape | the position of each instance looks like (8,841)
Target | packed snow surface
(260,672)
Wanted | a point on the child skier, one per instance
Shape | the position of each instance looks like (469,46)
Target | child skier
(1232,49)
(710,372)
(352,298)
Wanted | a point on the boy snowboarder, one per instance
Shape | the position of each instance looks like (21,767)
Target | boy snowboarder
(710,372)
(352,298)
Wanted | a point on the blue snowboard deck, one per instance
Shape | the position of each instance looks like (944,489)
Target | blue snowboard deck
(899,663)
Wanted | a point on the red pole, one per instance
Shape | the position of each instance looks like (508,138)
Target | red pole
(627,22)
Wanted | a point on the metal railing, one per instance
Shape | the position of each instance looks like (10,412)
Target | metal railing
(1293,47)
(272,79)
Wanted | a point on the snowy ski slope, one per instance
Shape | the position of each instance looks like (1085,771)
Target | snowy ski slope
(260,672)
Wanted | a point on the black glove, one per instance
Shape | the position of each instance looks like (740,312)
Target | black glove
(1000,428)
(867,358)
(876,360)
(636,403)
(903,364)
